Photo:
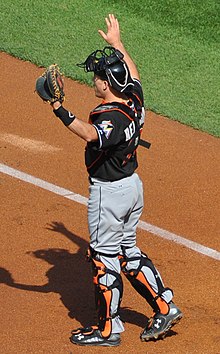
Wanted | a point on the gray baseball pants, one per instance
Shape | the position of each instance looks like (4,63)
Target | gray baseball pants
(114,209)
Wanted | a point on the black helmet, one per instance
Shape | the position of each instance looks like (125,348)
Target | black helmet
(109,65)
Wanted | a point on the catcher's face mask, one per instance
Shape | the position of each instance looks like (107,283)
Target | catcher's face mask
(108,64)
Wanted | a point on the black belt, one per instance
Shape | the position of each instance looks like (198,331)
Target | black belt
(98,179)
(104,180)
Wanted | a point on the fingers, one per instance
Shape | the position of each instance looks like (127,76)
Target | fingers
(112,34)
(108,22)
(112,21)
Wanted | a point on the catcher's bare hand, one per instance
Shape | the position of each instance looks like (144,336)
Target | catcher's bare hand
(112,36)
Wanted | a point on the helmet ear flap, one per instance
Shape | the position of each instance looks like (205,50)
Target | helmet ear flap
(119,77)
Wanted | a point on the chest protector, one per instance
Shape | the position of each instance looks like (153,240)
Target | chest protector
(134,113)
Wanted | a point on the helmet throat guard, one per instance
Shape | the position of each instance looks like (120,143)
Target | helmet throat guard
(109,65)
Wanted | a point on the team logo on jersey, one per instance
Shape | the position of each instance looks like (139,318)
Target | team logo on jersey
(106,127)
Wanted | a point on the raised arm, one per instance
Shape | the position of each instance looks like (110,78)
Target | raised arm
(112,37)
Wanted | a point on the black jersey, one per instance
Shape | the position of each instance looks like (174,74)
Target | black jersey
(119,126)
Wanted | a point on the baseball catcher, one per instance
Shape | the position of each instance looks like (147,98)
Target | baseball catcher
(116,200)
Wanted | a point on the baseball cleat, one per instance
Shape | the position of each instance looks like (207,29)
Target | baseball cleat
(93,337)
(160,324)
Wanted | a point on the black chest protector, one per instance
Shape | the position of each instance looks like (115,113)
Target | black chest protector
(118,160)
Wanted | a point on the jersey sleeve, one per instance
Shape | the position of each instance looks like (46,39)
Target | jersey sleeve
(137,91)
(110,129)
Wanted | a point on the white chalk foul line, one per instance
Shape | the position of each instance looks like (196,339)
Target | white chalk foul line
(83,200)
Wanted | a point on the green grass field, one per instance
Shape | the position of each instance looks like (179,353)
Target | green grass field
(175,44)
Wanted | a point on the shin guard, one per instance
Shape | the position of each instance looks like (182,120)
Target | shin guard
(104,293)
(140,280)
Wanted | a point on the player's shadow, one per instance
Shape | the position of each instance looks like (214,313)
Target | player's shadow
(71,277)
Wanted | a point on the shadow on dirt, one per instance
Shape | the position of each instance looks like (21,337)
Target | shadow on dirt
(71,277)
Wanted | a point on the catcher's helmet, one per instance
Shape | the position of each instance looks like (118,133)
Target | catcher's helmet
(109,65)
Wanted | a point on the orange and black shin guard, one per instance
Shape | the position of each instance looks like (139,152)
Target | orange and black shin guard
(140,282)
(104,295)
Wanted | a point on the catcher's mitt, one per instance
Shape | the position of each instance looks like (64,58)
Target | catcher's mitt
(49,86)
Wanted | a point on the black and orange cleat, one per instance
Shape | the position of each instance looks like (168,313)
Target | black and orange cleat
(160,324)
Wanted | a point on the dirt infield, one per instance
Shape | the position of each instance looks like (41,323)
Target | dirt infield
(46,287)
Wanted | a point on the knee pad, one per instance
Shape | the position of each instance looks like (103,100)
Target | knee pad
(104,293)
(141,281)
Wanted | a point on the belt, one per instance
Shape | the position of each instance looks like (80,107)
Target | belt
(98,180)
(95,179)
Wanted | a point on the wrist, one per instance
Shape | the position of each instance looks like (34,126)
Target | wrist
(65,116)
(56,105)
(117,44)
